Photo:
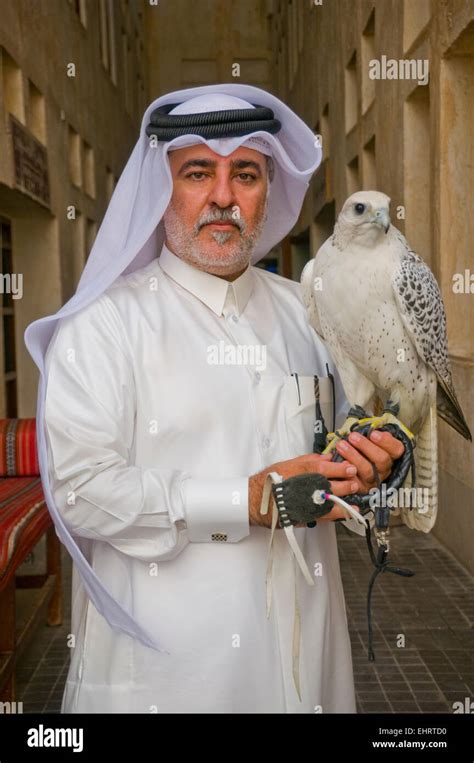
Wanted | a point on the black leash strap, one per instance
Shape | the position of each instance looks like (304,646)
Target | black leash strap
(381,564)
(395,480)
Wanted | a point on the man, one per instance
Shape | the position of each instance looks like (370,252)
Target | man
(159,438)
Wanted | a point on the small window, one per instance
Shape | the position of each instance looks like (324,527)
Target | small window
(89,170)
(109,184)
(91,232)
(81,10)
(350,82)
(13,95)
(107,37)
(325,132)
(416,16)
(368,55)
(369,175)
(36,113)
(352,176)
(75,165)
(78,246)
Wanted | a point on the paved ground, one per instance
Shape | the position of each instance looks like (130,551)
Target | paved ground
(433,611)
(42,671)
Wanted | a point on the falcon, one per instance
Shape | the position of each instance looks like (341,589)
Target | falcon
(377,306)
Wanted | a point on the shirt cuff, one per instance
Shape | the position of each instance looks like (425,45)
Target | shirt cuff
(216,510)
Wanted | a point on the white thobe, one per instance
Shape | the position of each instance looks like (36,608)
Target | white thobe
(157,413)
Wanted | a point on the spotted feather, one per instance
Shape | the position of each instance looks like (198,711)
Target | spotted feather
(422,311)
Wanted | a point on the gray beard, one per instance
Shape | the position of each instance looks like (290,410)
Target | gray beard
(185,244)
(221,236)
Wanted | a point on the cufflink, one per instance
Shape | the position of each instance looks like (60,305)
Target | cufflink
(220,537)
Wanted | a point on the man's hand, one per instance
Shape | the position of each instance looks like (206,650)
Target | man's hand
(342,476)
(381,448)
(353,475)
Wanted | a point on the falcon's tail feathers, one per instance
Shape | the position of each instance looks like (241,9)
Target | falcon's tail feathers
(451,412)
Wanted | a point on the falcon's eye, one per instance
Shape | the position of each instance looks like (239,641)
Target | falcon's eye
(359,208)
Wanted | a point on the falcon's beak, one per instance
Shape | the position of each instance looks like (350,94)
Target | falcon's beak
(382,218)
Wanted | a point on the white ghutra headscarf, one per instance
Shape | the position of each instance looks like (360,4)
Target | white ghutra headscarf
(131,236)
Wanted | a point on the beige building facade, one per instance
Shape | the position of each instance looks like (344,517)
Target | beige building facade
(73,86)
(201,43)
(389,86)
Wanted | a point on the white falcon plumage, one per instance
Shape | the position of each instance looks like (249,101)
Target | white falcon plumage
(378,307)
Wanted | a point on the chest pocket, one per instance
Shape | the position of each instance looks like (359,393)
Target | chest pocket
(299,394)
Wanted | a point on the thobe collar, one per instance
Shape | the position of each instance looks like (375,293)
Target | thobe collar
(215,292)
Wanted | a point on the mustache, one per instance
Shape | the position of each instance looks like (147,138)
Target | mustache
(220,215)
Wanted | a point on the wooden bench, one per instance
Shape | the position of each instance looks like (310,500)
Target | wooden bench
(24,519)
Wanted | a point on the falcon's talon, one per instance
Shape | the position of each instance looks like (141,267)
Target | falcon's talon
(391,407)
(374,421)
(356,412)
(389,418)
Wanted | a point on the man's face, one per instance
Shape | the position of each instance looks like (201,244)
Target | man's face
(218,207)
